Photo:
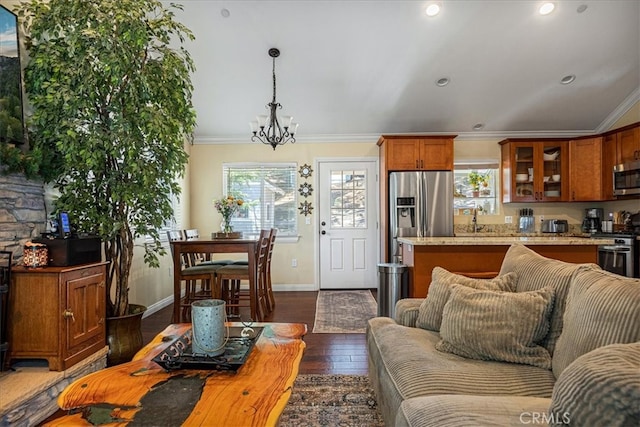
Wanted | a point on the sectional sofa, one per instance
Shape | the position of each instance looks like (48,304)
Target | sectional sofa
(545,342)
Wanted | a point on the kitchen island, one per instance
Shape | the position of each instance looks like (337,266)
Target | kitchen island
(480,255)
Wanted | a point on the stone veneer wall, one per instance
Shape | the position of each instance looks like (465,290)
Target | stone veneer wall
(22,212)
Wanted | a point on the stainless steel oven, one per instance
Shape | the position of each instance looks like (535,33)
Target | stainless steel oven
(621,257)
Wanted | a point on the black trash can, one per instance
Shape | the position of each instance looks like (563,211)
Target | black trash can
(393,285)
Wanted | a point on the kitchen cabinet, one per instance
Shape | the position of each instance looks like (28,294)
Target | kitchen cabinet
(609,160)
(534,170)
(628,144)
(57,313)
(410,153)
(586,169)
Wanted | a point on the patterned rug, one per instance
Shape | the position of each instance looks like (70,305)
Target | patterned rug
(331,400)
(344,312)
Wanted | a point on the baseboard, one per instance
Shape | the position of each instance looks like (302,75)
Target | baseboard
(155,307)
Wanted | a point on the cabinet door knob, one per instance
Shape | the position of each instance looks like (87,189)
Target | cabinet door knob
(68,314)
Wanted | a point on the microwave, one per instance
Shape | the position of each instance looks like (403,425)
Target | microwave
(626,178)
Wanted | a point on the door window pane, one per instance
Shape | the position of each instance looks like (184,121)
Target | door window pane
(348,199)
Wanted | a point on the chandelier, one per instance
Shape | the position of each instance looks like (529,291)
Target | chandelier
(269,129)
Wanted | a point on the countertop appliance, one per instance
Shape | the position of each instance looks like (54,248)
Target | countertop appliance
(626,178)
(592,222)
(420,205)
(555,226)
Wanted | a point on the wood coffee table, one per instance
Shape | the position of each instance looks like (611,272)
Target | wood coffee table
(141,392)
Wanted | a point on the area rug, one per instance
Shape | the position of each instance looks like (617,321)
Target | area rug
(331,400)
(344,312)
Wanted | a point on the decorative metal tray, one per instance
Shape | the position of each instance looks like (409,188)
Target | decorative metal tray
(179,354)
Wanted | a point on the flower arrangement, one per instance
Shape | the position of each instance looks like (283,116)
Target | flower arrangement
(476,179)
(227,207)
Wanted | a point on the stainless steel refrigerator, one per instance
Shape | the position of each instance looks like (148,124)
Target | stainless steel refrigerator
(420,205)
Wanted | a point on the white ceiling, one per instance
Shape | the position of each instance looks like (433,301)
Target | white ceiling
(353,70)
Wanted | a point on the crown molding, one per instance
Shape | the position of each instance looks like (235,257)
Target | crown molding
(611,120)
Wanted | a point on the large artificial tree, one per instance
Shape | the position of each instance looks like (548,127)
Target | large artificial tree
(109,85)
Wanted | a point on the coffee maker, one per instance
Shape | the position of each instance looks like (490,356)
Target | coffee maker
(592,222)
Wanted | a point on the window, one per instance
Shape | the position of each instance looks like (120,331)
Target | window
(173,222)
(269,195)
(475,187)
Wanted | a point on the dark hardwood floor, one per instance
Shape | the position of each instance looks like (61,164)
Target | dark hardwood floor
(324,354)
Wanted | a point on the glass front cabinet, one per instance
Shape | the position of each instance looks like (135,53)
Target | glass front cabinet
(534,171)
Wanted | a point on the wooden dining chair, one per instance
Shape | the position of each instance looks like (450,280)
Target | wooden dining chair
(268,289)
(230,277)
(202,259)
(190,275)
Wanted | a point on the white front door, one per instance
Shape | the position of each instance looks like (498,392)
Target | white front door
(347,207)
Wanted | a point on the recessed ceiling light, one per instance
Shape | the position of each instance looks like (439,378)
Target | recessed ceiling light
(225,13)
(443,81)
(546,8)
(581,8)
(478,126)
(568,79)
(433,9)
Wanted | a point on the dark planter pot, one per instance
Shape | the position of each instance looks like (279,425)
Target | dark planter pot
(124,335)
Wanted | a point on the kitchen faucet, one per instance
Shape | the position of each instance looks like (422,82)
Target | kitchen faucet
(474,220)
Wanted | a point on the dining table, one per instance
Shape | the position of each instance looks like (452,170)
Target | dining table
(213,246)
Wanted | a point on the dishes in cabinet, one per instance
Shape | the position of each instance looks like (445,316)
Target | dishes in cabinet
(546,178)
(524,190)
(555,178)
(551,155)
(552,193)
(522,177)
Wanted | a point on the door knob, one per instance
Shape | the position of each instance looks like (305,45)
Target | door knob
(323,232)
(323,223)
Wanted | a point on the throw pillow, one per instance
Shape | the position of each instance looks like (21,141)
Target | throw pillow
(430,312)
(537,272)
(503,326)
(600,387)
(602,308)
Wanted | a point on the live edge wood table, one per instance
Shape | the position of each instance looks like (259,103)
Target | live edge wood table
(255,395)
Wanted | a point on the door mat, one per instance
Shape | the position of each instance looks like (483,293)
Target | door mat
(331,400)
(344,312)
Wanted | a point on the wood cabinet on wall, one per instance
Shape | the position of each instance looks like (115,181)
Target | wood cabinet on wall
(57,313)
(534,170)
(586,169)
(628,144)
(408,153)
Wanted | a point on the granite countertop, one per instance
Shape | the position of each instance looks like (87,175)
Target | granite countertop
(493,239)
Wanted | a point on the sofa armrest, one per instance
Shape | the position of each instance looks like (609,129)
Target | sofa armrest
(407,311)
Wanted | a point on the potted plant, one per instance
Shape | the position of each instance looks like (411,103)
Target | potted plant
(111,110)
(476,179)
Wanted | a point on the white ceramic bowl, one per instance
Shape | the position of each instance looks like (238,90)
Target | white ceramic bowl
(522,177)
(546,178)
(552,193)
(550,156)
(556,178)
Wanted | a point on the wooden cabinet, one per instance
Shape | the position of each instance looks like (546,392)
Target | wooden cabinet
(534,170)
(586,169)
(57,313)
(609,160)
(628,144)
(410,153)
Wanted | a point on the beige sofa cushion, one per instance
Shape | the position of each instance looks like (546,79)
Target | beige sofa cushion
(472,411)
(503,326)
(600,387)
(430,313)
(602,308)
(537,272)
